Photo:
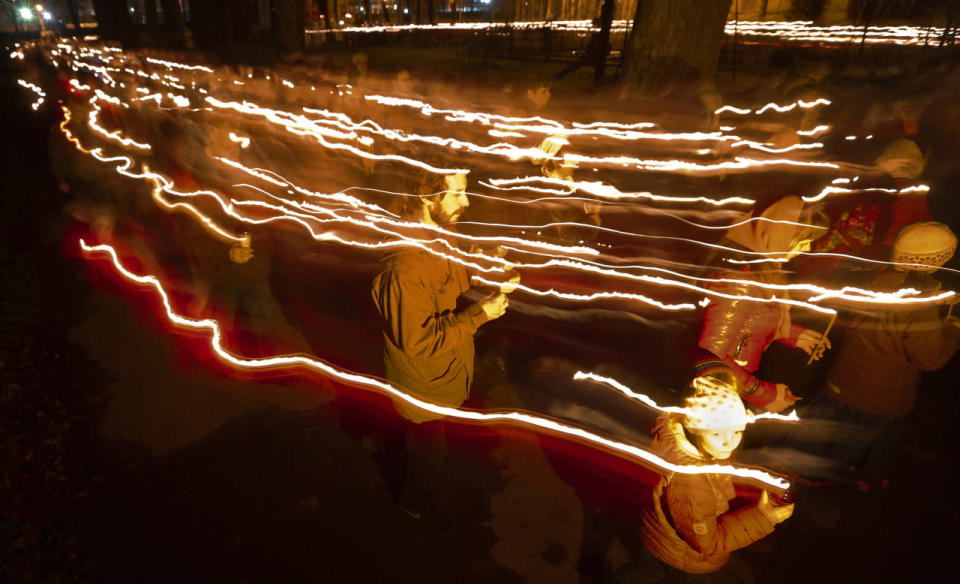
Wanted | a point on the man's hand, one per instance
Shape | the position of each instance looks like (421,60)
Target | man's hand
(775,513)
(784,399)
(510,285)
(813,343)
(495,306)
(240,254)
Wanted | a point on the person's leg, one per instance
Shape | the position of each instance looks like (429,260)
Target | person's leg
(882,453)
(426,450)
(269,324)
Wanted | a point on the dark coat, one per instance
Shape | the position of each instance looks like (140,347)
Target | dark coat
(878,365)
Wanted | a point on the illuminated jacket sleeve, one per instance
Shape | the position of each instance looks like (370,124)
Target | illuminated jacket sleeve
(694,505)
(735,330)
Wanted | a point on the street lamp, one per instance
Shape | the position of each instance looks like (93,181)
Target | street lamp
(25,13)
(40,15)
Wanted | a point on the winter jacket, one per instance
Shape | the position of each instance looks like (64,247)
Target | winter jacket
(739,330)
(428,344)
(689,524)
(878,365)
(736,329)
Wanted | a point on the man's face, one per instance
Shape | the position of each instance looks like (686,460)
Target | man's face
(449,207)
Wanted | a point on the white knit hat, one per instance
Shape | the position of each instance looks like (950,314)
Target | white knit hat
(714,406)
(929,243)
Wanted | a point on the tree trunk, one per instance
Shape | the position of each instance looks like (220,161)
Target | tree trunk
(288,24)
(606,22)
(172,23)
(74,16)
(673,42)
(153,28)
(112,18)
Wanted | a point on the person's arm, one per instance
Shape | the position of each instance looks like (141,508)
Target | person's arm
(928,341)
(692,505)
(413,325)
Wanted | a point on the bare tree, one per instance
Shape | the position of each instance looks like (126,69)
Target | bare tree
(673,41)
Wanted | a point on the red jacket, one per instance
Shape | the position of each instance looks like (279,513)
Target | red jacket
(738,330)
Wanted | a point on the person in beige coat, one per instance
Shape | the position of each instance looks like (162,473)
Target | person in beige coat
(689,524)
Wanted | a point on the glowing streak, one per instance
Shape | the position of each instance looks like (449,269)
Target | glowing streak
(841,190)
(521,240)
(760,261)
(613,383)
(302,126)
(502,134)
(94,124)
(40,93)
(730,108)
(790,148)
(242,140)
(173,65)
(608,191)
(810,133)
(157,179)
(590,297)
(212,328)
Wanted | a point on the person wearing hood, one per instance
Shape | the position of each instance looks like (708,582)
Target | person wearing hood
(428,342)
(873,383)
(689,524)
(869,227)
(736,329)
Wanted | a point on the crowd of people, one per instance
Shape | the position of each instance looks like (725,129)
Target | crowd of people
(851,404)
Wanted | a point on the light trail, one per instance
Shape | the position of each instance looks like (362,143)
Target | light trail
(93,123)
(372,224)
(212,328)
(228,207)
(41,95)
(781,31)
(623,389)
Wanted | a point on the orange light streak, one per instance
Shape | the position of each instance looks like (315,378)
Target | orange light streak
(620,387)
(524,242)
(212,328)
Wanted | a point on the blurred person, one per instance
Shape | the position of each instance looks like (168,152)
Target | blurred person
(428,341)
(873,383)
(556,164)
(688,525)
(868,228)
(737,330)
(239,287)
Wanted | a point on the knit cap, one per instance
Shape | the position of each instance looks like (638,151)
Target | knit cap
(929,243)
(715,405)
